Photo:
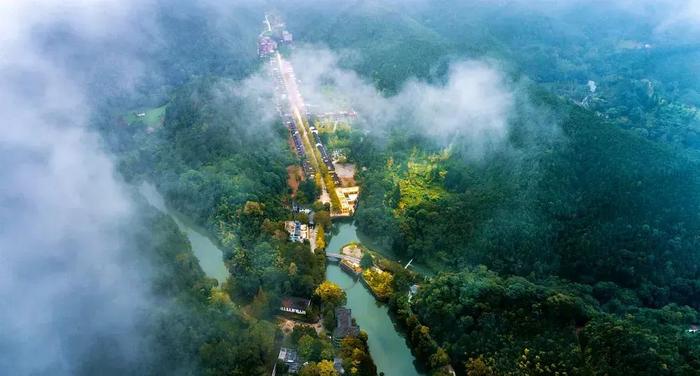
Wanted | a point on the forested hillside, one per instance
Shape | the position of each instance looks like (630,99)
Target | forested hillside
(637,71)
(512,326)
(600,204)
(608,203)
(590,203)
(192,328)
(572,248)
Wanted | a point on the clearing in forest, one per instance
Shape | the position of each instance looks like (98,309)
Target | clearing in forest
(421,180)
(294,176)
(152,118)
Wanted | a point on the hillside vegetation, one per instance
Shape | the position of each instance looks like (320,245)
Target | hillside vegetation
(570,250)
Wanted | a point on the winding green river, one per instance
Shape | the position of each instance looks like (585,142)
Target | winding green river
(209,255)
(388,348)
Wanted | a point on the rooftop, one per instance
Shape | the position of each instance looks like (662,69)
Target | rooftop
(295,303)
(290,357)
(344,323)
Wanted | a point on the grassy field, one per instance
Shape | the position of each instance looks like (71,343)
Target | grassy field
(337,133)
(153,117)
(332,126)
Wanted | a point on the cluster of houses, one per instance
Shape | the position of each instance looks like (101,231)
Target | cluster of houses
(345,326)
(268,42)
(337,115)
(298,232)
(266,46)
(299,146)
(325,157)
(290,123)
(290,358)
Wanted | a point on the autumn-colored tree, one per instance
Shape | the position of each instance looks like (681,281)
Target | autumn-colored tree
(219,297)
(356,358)
(380,282)
(253,208)
(325,368)
(309,369)
(322,368)
(330,294)
(320,238)
(480,366)
(439,358)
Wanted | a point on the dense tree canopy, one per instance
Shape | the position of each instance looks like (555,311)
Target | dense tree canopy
(514,326)
(198,330)
(589,227)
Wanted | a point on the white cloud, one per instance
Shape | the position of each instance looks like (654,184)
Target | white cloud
(64,279)
(474,102)
(683,16)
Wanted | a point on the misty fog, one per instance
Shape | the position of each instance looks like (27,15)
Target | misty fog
(68,286)
(73,283)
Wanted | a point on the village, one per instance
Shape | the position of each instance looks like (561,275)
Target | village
(302,318)
(335,182)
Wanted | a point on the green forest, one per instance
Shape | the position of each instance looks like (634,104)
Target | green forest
(197,329)
(572,251)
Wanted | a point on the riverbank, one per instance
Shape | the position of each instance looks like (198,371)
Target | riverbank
(388,347)
(383,251)
(210,257)
(396,285)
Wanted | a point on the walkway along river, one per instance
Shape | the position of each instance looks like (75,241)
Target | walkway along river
(209,255)
(387,347)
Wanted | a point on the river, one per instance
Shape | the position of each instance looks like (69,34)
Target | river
(210,257)
(387,253)
(388,348)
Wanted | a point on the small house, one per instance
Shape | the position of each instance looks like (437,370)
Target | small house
(290,358)
(412,291)
(298,231)
(295,305)
(345,325)
(338,365)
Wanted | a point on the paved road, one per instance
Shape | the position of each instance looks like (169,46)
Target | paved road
(269,27)
(312,239)
(297,108)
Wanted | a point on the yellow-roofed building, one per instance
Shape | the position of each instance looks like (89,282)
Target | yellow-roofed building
(348,199)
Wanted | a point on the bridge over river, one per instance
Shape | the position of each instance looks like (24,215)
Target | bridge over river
(387,346)
(338,256)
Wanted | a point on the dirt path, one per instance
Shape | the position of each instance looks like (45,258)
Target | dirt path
(287,326)
(294,175)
